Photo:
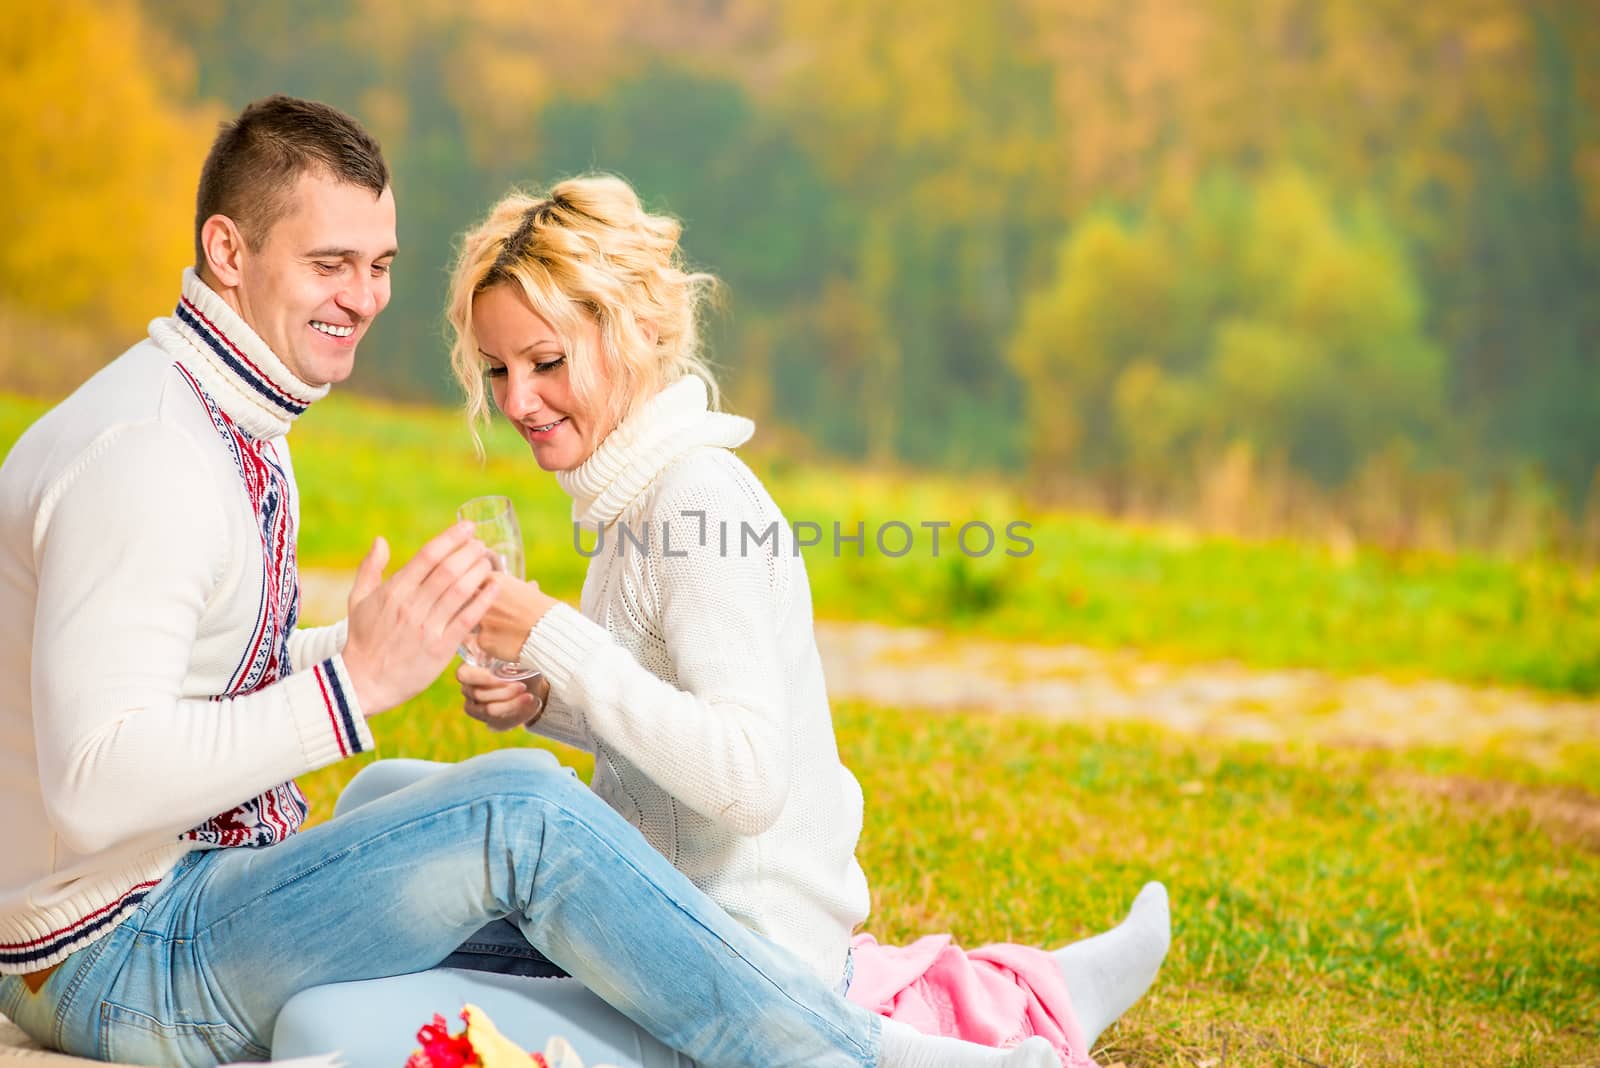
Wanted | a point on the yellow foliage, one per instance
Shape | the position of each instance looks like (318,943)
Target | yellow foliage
(100,163)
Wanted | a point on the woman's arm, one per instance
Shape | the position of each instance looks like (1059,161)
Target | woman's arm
(718,741)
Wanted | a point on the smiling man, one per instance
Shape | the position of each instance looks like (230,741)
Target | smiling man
(157,698)
(295,231)
(159,901)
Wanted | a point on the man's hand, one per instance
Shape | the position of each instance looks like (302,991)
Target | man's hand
(502,704)
(403,631)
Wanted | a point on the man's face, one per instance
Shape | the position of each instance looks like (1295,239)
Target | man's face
(321,276)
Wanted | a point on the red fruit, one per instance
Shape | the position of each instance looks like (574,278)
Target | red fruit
(441,1049)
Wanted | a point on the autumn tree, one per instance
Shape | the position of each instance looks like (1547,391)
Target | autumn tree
(102,149)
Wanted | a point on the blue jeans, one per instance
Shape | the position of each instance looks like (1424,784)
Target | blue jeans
(496,947)
(198,973)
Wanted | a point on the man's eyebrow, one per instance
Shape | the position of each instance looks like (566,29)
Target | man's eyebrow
(347,254)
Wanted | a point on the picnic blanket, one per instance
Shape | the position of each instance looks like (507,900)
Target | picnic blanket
(17,1050)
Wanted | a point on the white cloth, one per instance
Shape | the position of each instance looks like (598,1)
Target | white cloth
(693,675)
(139,607)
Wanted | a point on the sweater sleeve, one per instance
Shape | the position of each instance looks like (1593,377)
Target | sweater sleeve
(123,752)
(719,741)
(563,723)
(312,645)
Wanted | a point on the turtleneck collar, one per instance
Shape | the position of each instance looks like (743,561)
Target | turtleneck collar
(657,433)
(246,379)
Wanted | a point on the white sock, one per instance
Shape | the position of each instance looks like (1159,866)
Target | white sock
(1108,972)
(906,1047)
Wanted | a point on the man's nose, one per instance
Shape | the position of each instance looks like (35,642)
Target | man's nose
(361,297)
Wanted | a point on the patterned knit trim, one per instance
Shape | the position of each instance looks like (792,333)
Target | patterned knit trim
(241,373)
(344,723)
(235,359)
(266,485)
(276,814)
(75,935)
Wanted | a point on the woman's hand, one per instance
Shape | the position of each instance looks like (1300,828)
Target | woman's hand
(501,704)
(516,608)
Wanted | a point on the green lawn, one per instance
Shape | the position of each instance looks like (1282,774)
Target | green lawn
(368,468)
(1332,907)
(1350,908)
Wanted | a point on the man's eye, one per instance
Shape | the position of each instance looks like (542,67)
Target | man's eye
(381,268)
(327,268)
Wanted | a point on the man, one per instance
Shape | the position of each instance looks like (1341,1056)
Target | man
(158,902)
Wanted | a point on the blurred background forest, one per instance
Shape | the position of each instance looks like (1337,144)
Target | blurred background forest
(1276,319)
(1321,267)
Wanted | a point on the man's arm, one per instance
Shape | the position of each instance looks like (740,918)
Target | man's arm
(311,645)
(130,553)
(131,548)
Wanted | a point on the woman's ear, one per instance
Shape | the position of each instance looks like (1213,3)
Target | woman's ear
(647,327)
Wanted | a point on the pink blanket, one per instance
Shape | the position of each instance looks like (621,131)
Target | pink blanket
(998,995)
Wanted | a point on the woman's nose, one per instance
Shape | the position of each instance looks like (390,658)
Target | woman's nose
(521,394)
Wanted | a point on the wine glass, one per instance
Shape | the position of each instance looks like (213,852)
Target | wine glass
(495,522)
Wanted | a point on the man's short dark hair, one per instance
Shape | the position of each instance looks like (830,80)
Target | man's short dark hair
(258,158)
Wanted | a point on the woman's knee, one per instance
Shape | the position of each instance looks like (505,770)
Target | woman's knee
(384,777)
(517,761)
(502,781)
(519,773)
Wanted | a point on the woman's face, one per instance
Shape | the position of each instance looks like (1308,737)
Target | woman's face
(529,377)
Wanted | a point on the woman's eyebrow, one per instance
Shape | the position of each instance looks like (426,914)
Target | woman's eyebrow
(553,346)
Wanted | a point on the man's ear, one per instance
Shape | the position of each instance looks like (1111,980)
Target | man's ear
(223,248)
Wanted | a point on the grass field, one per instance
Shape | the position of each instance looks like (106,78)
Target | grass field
(368,468)
(1332,906)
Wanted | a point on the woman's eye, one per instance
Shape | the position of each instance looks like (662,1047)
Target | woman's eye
(549,365)
(494,371)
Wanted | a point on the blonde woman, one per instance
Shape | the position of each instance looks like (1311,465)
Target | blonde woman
(691,670)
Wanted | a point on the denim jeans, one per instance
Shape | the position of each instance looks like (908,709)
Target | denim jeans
(496,947)
(197,974)
(499,946)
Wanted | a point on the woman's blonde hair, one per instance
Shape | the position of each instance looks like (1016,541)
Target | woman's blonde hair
(586,249)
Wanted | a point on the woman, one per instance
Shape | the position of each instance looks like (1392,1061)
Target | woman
(692,671)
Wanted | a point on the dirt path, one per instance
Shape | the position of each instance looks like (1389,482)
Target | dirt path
(929,669)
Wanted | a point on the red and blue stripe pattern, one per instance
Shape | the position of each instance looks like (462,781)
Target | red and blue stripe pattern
(58,944)
(339,713)
(272,816)
(233,358)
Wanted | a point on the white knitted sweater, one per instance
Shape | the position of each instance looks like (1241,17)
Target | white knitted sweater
(155,696)
(693,675)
